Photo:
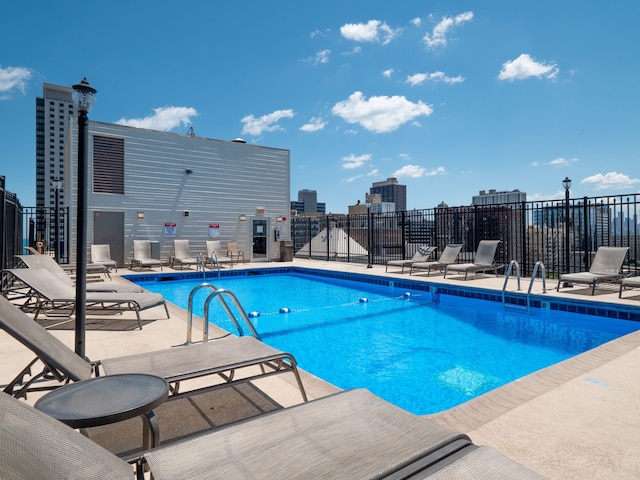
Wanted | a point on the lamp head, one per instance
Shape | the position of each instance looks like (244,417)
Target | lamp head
(84,95)
(566,183)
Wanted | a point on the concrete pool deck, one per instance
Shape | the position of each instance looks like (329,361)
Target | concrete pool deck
(575,420)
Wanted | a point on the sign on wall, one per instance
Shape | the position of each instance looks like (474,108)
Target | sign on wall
(214,230)
(170,230)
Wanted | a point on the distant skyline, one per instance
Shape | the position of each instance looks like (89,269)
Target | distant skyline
(450,97)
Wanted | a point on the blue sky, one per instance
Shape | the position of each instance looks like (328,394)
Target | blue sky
(451,97)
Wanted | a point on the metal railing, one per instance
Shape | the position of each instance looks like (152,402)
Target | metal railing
(530,232)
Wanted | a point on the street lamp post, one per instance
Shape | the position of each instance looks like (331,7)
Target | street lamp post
(57,185)
(566,183)
(84,97)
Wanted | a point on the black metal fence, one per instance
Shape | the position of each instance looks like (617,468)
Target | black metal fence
(41,228)
(564,236)
(10,227)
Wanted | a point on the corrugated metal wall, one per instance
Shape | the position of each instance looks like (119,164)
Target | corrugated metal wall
(226,180)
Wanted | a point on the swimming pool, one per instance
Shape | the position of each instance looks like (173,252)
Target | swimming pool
(408,342)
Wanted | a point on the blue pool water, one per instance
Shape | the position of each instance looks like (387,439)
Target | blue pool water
(422,352)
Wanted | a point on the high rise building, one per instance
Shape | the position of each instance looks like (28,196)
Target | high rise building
(391,191)
(308,202)
(54,113)
(499,198)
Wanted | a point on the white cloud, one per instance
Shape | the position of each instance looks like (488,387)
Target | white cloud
(416,21)
(323,56)
(420,78)
(611,180)
(524,67)
(416,171)
(372,173)
(562,162)
(387,73)
(314,125)
(438,37)
(266,123)
(354,161)
(379,114)
(354,51)
(163,119)
(369,32)
(13,78)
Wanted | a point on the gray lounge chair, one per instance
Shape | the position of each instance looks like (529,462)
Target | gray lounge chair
(482,262)
(46,292)
(422,255)
(101,254)
(220,357)
(48,263)
(630,282)
(215,256)
(92,268)
(449,256)
(606,267)
(182,254)
(142,255)
(350,434)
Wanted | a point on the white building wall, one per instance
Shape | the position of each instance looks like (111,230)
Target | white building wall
(228,179)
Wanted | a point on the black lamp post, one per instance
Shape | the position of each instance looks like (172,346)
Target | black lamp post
(84,97)
(566,183)
(57,185)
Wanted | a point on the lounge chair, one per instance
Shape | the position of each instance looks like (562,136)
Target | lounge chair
(629,282)
(31,250)
(422,255)
(142,255)
(448,256)
(234,253)
(351,434)
(92,268)
(215,256)
(48,263)
(482,262)
(101,254)
(217,357)
(606,267)
(46,291)
(182,254)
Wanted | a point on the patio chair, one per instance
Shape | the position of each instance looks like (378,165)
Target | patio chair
(422,255)
(142,255)
(221,358)
(182,254)
(606,267)
(448,256)
(629,282)
(482,262)
(48,263)
(46,291)
(215,256)
(102,254)
(234,253)
(351,434)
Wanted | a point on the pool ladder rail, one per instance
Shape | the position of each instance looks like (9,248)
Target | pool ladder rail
(220,294)
(538,266)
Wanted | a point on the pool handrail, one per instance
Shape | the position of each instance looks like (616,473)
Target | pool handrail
(506,278)
(217,292)
(220,292)
(533,277)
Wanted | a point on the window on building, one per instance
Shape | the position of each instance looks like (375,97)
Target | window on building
(108,165)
